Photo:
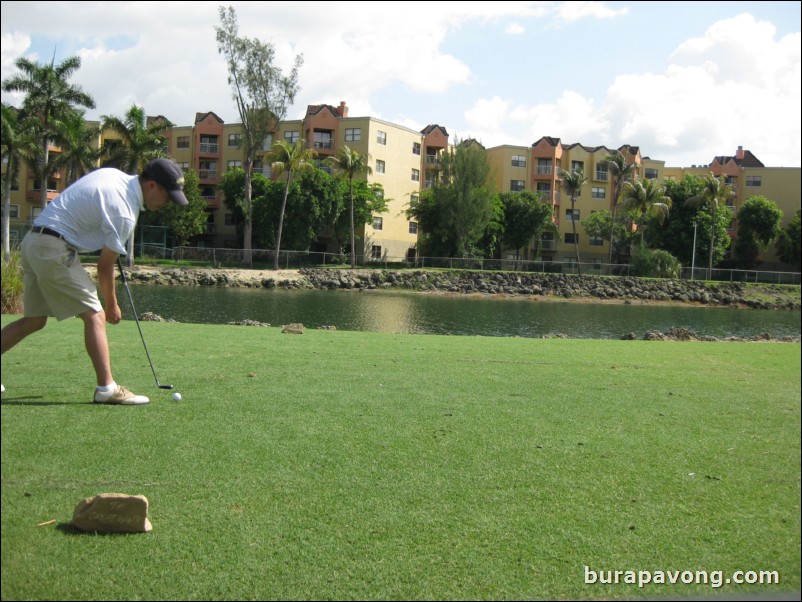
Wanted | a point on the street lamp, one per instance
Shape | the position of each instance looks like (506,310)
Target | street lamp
(693,256)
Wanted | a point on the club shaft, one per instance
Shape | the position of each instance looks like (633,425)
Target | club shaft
(139,328)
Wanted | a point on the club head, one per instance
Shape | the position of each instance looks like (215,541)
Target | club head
(165,386)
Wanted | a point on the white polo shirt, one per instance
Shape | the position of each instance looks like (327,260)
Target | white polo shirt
(99,210)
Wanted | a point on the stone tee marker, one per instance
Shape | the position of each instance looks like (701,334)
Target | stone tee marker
(112,513)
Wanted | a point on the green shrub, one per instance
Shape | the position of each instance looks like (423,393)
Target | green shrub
(11,297)
(655,264)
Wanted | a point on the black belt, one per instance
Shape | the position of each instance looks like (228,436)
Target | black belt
(48,231)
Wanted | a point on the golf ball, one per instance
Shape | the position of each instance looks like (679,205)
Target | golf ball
(177,396)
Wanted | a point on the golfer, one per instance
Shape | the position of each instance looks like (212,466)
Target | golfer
(99,211)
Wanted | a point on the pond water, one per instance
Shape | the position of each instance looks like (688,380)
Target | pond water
(423,313)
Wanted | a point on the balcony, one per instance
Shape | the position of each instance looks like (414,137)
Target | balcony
(324,145)
(208,148)
(207,174)
(601,176)
(544,170)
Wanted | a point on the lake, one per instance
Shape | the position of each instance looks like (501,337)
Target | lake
(424,313)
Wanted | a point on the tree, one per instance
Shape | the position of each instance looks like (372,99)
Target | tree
(18,142)
(183,222)
(599,224)
(715,191)
(141,140)
(288,158)
(349,163)
(49,99)
(621,172)
(572,183)
(453,215)
(77,140)
(139,143)
(789,243)
(526,215)
(758,226)
(647,198)
(262,93)
(233,186)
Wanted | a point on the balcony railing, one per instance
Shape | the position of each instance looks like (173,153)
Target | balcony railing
(544,170)
(209,148)
(207,174)
(324,144)
(601,175)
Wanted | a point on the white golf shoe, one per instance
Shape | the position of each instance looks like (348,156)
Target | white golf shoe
(121,397)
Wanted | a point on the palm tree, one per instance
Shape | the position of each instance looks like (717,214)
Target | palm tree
(49,98)
(287,158)
(621,171)
(141,140)
(647,197)
(78,141)
(715,191)
(350,163)
(18,142)
(572,183)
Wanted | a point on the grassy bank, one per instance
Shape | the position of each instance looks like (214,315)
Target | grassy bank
(344,465)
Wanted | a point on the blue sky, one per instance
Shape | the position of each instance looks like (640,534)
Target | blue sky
(685,81)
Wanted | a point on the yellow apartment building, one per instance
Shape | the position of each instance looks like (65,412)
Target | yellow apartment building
(405,162)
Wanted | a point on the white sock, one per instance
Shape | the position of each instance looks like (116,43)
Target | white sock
(110,388)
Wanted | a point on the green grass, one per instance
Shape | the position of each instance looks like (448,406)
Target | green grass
(345,465)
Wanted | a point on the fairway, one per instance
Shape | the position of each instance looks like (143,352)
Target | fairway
(360,466)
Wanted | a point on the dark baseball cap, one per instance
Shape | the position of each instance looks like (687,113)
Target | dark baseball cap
(168,174)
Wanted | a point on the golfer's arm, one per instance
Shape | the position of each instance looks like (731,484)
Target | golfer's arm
(105,277)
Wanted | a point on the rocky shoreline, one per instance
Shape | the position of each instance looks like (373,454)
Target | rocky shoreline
(534,285)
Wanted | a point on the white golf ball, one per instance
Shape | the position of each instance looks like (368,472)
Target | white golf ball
(177,396)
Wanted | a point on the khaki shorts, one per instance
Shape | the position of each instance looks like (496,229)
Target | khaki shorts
(55,282)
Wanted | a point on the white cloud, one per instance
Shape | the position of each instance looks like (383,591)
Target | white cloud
(718,93)
(573,11)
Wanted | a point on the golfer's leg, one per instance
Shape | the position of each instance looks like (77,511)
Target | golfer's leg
(97,345)
(16,331)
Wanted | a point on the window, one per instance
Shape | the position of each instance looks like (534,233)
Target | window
(413,227)
(208,144)
(416,175)
(416,148)
(353,134)
(572,216)
(184,166)
(377,223)
(292,137)
(544,167)
(596,241)
(569,238)
(182,142)
(543,188)
(518,161)
(234,140)
(375,252)
(207,192)
(753,181)
(13,212)
(207,170)
(650,173)
(597,193)
(229,217)
(414,198)
(601,172)
(234,164)
(578,166)
(267,143)
(517,185)
(381,137)
(323,139)
(379,166)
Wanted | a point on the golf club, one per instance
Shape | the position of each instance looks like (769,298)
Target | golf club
(133,309)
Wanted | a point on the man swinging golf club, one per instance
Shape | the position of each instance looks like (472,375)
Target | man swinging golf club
(99,211)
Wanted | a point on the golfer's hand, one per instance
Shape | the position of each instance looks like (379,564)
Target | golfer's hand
(113,314)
